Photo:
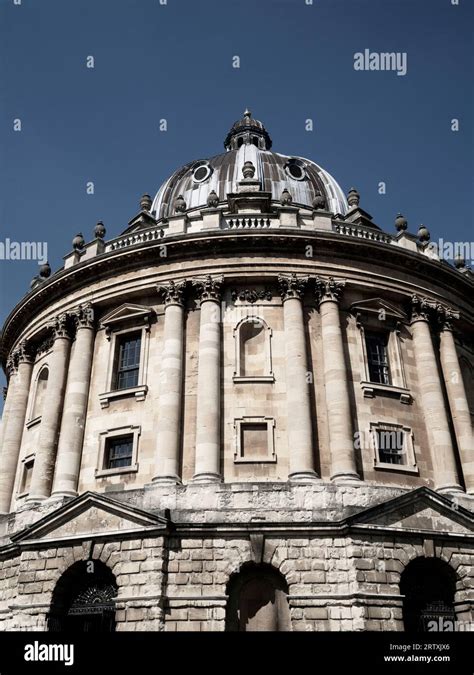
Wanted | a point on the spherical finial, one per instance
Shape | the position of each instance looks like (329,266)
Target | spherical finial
(353,197)
(78,242)
(212,199)
(45,270)
(247,113)
(145,202)
(319,202)
(248,169)
(423,234)
(459,261)
(401,223)
(179,204)
(99,230)
(286,198)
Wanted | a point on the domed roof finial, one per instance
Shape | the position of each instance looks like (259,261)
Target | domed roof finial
(353,198)
(401,222)
(248,169)
(459,260)
(145,202)
(248,131)
(423,234)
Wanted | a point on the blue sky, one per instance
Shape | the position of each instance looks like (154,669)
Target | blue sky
(174,61)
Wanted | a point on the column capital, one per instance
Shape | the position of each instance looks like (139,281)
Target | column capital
(329,289)
(292,286)
(172,292)
(23,353)
(60,326)
(421,308)
(83,316)
(446,316)
(209,288)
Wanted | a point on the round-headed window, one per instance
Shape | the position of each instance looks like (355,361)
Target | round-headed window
(201,173)
(295,169)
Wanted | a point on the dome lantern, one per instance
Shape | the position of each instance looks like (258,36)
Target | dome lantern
(248,131)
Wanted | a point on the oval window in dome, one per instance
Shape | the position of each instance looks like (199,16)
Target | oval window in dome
(201,173)
(295,169)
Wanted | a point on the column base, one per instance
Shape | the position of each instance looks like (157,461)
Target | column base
(166,480)
(35,499)
(346,479)
(64,493)
(304,477)
(450,489)
(207,478)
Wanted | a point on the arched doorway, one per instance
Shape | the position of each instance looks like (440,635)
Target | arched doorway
(83,600)
(258,600)
(429,585)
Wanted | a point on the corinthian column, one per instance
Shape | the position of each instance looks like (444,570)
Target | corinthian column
(20,366)
(208,436)
(168,439)
(71,436)
(434,410)
(457,395)
(300,432)
(341,439)
(43,468)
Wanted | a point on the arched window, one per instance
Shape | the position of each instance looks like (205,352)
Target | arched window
(253,351)
(83,599)
(40,392)
(258,600)
(428,586)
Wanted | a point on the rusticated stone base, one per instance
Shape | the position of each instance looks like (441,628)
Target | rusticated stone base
(340,550)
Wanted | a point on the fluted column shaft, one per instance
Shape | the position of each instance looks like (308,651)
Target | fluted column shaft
(170,406)
(43,468)
(434,410)
(458,404)
(17,401)
(336,387)
(71,436)
(207,466)
(300,432)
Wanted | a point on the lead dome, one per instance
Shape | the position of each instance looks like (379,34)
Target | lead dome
(249,141)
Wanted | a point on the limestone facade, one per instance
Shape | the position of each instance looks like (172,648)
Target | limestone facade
(250,410)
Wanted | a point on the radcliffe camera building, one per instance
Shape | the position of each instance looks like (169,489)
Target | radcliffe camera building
(252,410)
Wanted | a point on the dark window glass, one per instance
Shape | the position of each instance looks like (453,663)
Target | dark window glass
(128,361)
(119,452)
(390,444)
(201,173)
(296,171)
(377,357)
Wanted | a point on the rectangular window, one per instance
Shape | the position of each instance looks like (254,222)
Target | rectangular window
(128,361)
(26,478)
(118,452)
(377,357)
(391,446)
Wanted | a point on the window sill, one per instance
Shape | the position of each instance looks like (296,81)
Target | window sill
(33,422)
(371,389)
(240,379)
(402,468)
(103,473)
(139,393)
